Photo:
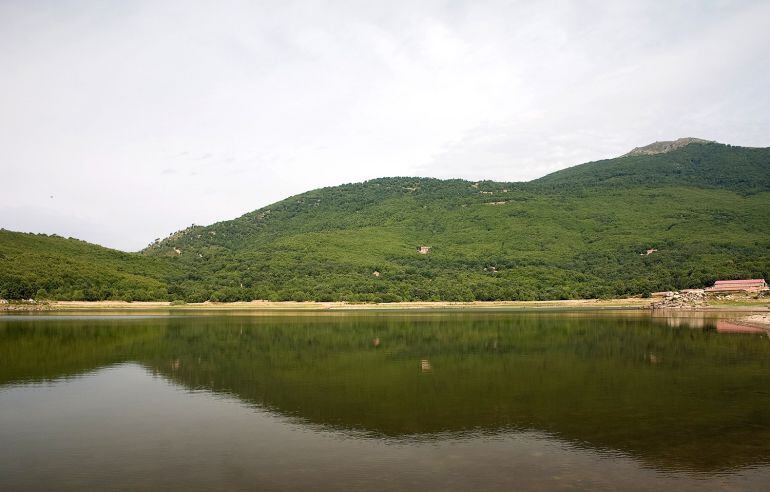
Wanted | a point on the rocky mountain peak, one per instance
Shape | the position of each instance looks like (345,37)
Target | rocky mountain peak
(667,146)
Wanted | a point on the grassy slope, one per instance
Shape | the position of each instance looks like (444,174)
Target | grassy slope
(575,233)
(37,265)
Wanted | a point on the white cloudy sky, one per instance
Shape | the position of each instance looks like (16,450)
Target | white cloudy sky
(123,121)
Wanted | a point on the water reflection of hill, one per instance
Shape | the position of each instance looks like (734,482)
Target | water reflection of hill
(675,398)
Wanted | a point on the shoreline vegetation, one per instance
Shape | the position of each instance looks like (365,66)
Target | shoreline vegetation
(746,304)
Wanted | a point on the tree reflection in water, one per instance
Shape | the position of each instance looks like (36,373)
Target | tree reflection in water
(673,392)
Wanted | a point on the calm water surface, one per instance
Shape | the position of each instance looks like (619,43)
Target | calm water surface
(383,401)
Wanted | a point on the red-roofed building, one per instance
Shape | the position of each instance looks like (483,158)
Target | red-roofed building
(751,285)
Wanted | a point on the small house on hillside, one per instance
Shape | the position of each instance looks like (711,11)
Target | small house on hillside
(649,252)
(750,285)
(423,250)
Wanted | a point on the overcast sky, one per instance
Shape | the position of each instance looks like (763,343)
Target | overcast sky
(123,121)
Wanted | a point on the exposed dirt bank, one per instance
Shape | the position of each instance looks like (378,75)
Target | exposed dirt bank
(631,303)
(322,306)
(699,300)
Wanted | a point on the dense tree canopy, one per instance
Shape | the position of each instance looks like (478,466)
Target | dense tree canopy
(576,233)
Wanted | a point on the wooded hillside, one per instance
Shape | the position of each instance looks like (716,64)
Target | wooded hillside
(580,232)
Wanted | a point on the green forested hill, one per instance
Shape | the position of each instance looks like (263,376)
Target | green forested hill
(42,266)
(575,233)
(709,165)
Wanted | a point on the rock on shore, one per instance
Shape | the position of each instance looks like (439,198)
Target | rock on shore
(685,299)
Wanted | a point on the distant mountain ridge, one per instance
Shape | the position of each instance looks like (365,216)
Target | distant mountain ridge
(575,233)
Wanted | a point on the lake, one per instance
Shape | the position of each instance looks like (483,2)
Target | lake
(383,401)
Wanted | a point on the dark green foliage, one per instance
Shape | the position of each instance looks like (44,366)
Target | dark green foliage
(740,169)
(51,267)
(573,234)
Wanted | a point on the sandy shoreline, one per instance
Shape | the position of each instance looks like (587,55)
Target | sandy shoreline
(323,306)
(630,303)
